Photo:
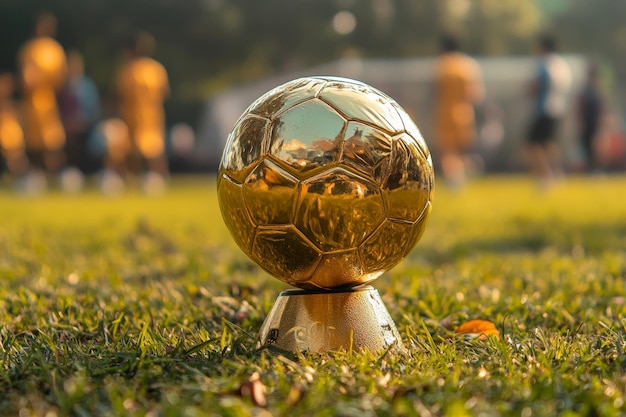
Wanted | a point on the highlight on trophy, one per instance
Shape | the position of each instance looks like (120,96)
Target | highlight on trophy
(326,183)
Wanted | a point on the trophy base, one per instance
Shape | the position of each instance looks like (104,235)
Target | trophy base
(327,320)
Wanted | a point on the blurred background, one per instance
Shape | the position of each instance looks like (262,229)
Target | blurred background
(220,55)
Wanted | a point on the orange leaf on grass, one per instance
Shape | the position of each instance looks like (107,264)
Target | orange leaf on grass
(477,329)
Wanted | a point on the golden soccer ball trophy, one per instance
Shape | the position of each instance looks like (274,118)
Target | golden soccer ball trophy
(326,183)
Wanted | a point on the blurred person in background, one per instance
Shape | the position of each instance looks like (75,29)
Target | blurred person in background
(79,102)
(590,111)
(43,70)
(141,87)
(12,148)
(549,90)
(458,88)
(610,146)
(110,142)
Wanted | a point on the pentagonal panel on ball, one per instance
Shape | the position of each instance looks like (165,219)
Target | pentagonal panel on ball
(337,269)
(362,102)
(419,227)
(387,246)
(285,253)
(244,146)
(307,136)
(285,96)
(234,213)
(410,181)
(366,149)
(270,194)
(338,209)
(411,128)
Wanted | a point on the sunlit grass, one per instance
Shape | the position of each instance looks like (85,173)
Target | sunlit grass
(144,305)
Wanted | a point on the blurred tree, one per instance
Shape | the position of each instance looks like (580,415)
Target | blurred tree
(209,45)
(494,27)
(222,42)
(597,30)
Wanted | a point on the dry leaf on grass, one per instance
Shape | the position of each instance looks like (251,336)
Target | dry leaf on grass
(477,329)
(254,389)
(296,393)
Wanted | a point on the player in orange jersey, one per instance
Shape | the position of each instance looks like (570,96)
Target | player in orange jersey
(43,69)
(12,147)
(458,87)
(142,86)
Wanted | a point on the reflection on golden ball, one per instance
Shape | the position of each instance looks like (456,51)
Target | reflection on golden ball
(325,182)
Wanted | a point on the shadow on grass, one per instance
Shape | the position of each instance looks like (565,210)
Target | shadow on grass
(525,235)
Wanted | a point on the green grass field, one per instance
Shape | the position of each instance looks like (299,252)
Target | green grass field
(144,306)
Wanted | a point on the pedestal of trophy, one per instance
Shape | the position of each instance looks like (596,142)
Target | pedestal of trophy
(320,321)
